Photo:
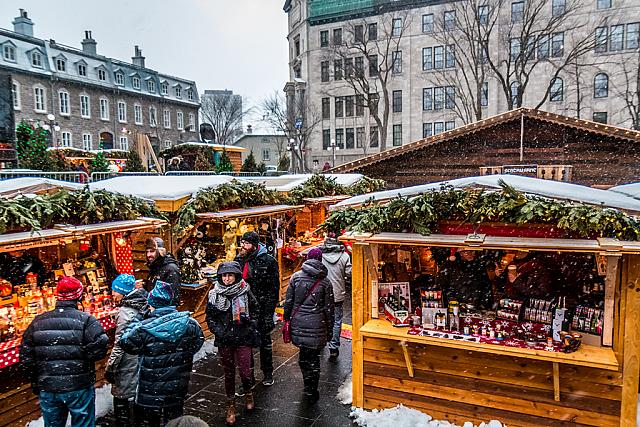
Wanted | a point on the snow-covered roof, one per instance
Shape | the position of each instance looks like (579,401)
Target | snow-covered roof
(15,186)
(160,187)
(289,182)
(632,190)
(212,146)
(534,186)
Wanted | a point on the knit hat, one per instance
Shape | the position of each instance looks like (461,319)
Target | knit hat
(230,267)
(251,237)
(69,289)
(156,243)
(315,253)
(161,295)
(123,284)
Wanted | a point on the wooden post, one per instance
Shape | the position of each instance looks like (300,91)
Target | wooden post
(407,357)
(631,350)
(609,296)
(359,281)
(556,381)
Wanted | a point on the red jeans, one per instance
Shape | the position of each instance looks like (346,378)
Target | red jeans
(242,357)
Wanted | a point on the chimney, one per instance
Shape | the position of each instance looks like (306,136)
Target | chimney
(249,130)
(138,59)
(22,24)
(89,44)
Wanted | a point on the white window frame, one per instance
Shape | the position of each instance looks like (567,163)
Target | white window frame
(124,143)
(104,109)
(64,106)
(118,78)
(15,94)
(164,88)
(87,142)
(166,119)
(180,120)
(151,86)
(82,70)
(192,122)
(122,112)
(43,99)
(167,143)
(102,75)
(36,63)
(9,52)
(85,107)
(267,157)
(137,114)
(190,94)
(61,64)
(135,82)
(153,116)
(64,141)
(178,91)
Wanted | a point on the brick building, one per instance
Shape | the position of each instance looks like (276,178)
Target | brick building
(97,102)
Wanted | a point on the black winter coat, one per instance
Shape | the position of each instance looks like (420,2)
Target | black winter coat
(312,325)
(165,343)
(60,347)
(230,333)
(166,269)
(264,279)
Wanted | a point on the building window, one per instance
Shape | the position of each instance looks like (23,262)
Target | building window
(373,31)
(152,116)
(82,70)
(601,39)
(558,7)
(337,37)
(374,137)
(484,95)
(373,65)
(67,139)
(397,135)
(340,138)
(296,46)
(450,97)
(358,34)
(15,94)
(104,109)
(515,88)
(530,52)
(324,38)
(164,87)
(483,15)
(438,127)
(324,71)
(557,45)
(359,105)
(517,11)
(600,117)
(349,139)
(124,143)
(514,49)
(178,92)
(122,112)
(427,130)
(449,19)
(427,58)
(151,86)
(427,99)
(543,47)
(438,57)
(137,114)
(192,122)
(438,98)
(633,36)
(63,98)
(39,100)
(266,155)
(36,59)
(85,107)
(180,120)
(102,74)
(359,66)
(450,56)
(135,82)
(483,56)
(190,95)
(601,86)
(360,137)
(119,79)
(396,101)
(87,144)
(427,23)
(337,69)
(326,108)
(326,139)
(166,119)
(396,58)
(616,38)
(9,52)
(339,106)
(557,90)
(396,27)
(348,106)
(167,143)
(449,125)
(61,65)
(603,4)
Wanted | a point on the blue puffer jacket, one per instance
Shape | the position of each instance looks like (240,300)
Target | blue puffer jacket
(165,343)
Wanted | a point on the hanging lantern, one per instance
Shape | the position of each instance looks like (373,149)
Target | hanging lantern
(84,245)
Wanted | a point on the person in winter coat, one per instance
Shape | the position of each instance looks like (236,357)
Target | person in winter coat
(229,317)
(464,278)
(58,354)
(338,263)
(122,368)
(260,271)
(309,308)
(165,343)
(162,266)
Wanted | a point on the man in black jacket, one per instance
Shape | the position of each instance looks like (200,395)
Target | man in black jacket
(260,270)
(58,354)
(162,266)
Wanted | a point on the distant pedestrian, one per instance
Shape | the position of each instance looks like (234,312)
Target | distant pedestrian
(338,263)
(260,271)
(230,318)
(58,354)
(326,167)
(122,368)
(309,308)
(165,342)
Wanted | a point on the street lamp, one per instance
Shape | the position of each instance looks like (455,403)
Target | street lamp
(52,127)
(333,146)
(293,148)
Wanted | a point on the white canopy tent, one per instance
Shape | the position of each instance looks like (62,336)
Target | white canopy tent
(25,185)
(631,190)
(286,183)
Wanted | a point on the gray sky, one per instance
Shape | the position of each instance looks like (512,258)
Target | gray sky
(221,44)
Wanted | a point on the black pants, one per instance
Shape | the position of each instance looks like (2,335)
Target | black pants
(266,352)
(156,417)
(309,361)
(123,412)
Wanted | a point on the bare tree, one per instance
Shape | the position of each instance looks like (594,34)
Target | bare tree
(378,45)
(630,91)
(223,111)
(282,119)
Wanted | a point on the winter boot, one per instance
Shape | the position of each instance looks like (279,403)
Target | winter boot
(248,400)
(231,412)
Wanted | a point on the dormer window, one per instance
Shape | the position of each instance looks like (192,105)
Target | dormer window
(151,86)
(178,92)
(135,81)
(190,95)
(9,52)
(119,78)
(102,74)
(165,88)
(61,65)
(81,66)
(36,59)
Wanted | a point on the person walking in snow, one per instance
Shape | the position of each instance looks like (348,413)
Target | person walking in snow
(58,354)
(338,263)
(309,309)
(162,266)
(122,368)
(260,271)
(165,343)
(229,314)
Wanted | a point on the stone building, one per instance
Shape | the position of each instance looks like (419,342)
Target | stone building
(426,86)
(266,148)
(95,101)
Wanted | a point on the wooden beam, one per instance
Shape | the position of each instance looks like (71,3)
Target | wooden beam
(407,357)
(556,381)
(359,281)
(631,352)
(609,299)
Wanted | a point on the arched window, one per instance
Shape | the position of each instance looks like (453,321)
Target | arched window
(557,90)
(601,85)
(515,86)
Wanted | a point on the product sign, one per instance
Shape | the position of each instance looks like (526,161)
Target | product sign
(525,170)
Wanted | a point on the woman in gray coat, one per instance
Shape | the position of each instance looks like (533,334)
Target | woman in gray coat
(122,368)
(309,308)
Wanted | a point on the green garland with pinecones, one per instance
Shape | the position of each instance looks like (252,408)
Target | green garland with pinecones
(423,213)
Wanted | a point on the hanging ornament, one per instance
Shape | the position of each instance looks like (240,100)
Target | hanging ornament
(84,245)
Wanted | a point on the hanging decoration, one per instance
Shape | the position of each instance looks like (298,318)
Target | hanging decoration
(124,254)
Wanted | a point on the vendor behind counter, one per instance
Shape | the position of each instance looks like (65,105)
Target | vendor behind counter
(15,265)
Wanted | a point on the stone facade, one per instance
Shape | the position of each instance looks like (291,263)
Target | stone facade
(266,148)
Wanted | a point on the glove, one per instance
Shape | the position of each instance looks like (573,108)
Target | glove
(110,376)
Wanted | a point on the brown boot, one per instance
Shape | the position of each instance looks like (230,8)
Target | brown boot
(249,403)
(231,412)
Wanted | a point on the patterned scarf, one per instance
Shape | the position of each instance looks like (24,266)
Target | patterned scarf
(235,296)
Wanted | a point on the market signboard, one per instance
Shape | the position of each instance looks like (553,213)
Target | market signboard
(524,170)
